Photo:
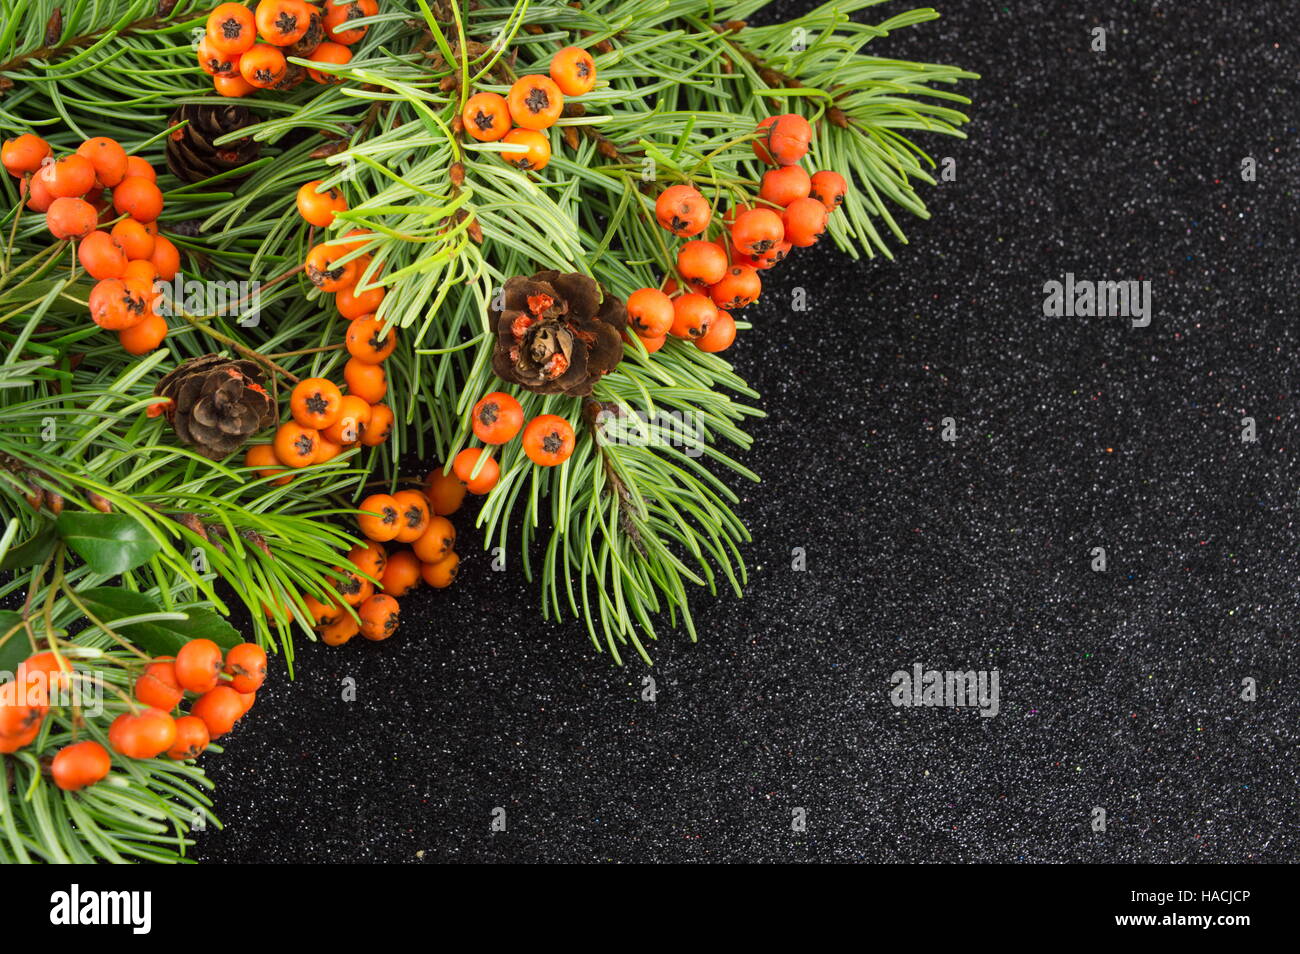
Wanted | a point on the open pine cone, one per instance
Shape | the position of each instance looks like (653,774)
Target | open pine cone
(557,333)
(217,404)
(191,153)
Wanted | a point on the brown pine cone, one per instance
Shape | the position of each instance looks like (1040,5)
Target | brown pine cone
(217,404)
(192,155)
(557,333)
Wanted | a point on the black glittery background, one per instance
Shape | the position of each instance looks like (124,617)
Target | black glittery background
(1119,690)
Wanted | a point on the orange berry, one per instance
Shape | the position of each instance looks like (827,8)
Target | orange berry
(117,304)
(650,312)
(246,665)
(324,270)
(497,418)
(295,445)
(38,194)
(370,559)
(445,491)
(720,334)
(315,402)
(137,166)
(380,517)
(142,735)
(783,185)
(805,221)
(486,116)
(100,256)
(282,22)
(263,457)
(757,230)
(537,151)
(378,617)
(233,86)
(70,177)
(692,316)
(442,574)
(379,427)
(401,573)
(682,210)
(262,66)
(535,102)
(198,665)
(354,416)
(141,271)
(366,381)
(71,218)
(166,258)
(414,515)
(702,263)
(573,70)
(339,15)
(319,208)
(215,63)
(158,686)
(328,54)
(548,440)
(145,336)
(368,342)
(79,765)
(784,139)
(652,344)
(24,154)
(139,198)
(464,464)
(339,631)
(436,542)
(354,304)
(828,188)
(326,449)
(231,28)
(219,708)
(136,242)
(353,588)
(192,739)
(107,157)
(739,288)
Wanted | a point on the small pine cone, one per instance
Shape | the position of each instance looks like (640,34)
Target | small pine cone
(192,153)
(219,403)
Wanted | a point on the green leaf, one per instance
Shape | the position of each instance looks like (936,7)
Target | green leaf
(33,551)
(110,543)
(16,648)
(158,637)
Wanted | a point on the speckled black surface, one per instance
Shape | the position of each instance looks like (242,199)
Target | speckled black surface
(1118,690)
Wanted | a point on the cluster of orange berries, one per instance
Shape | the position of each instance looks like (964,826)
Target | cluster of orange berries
(497,418)
(126,260)
(414,517)
(723,275)
(230,53)
(532,105)
(144,733)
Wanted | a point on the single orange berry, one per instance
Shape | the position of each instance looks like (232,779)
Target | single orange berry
(783,185)
(548,440)
(134,239)
(246,665)
(739,288)
(401,573)
(139,198)
(649,312)
(339,631)
(263,457)
(233,86)
(380,517)
(262,66)
(370,559)
(315,402)
(166,258)
(295,445)
(368,342)
(353,588)
(107,156)
(24,154)
(537,149)
(319,208)
(652,344)
(486,116)
(535,102)
(379,427)
(71,218)
(488,474)
(100,256)
(354,416)
(757,230)
(828,188)
(282,22)
(573,70)
(497,418)
(142,735)
(231,28)
(353,303)
(198,665)
(367,381)
(158,686)
(69,177)
(445,491)
(192,739)
(720,335)
(378,617)
(783,140)
(79,765)
(215,63)
(436,542)
(145,336)
(328,54)
(702,263)
(219,708)
(682,210)
(324,270)
(692,316)
(340,14)
(805,221)
(141,271)
(442,574)
(413,517)
(117,304)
